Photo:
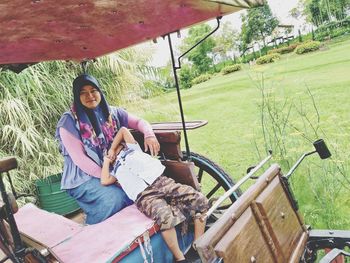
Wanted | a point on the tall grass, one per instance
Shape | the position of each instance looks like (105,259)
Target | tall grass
(32,102)
(289,125)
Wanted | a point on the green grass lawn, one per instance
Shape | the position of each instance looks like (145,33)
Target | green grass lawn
(306,98)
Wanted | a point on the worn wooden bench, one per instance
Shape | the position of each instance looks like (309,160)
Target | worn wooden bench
(261,226)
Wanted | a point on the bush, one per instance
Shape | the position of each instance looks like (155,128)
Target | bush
(332,33)
(186,76)
(230,69)
(201,78)
(268,58)
(283,50)
(308,47)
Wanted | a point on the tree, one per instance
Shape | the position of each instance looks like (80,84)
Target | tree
(226,41)
(258,24)
(200,55)
(321,11)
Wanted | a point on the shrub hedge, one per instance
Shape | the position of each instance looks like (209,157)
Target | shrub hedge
(268,58)
(200,79)
(283,50)
(230,69)
(308,47)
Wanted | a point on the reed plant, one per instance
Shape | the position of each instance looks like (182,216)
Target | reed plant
(289,126)
(32,102)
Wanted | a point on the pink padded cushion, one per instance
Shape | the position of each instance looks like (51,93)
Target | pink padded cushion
(47,228)
(71,242)
(106,240)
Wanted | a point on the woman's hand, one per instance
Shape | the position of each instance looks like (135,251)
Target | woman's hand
(152,144)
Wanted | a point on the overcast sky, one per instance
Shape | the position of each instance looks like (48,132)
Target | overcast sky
(280,8)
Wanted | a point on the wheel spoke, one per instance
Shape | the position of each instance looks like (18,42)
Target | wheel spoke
(214,182)
(216,187)
(224,207)
(200,174)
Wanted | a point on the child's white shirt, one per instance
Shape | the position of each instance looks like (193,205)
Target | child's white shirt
(136,170)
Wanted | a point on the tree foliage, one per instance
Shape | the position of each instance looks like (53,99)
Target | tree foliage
(321,11)
(257,24)
(226,41)
(200,56)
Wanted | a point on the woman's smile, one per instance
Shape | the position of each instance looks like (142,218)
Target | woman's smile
(90,97)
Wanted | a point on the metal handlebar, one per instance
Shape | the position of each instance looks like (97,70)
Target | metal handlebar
(235,187)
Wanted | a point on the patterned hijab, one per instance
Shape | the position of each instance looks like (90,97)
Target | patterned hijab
(96,126)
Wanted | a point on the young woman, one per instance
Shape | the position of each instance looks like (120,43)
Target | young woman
(85,133)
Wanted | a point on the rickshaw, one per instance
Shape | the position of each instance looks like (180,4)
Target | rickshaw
(248,228)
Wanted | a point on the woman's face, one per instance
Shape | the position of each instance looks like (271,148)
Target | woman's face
(90,97)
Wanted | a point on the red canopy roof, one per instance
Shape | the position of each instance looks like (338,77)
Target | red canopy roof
(40,30)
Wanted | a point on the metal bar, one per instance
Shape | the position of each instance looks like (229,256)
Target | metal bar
(333,254)
(297,164)
(216,187)
(200,174)
(200,41)
(235,187)
(289,192)
(19,247)
(188,152)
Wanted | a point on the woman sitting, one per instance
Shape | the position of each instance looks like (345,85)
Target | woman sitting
(85,133)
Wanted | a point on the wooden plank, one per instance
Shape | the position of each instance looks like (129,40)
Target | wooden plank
(7,164)
(269,236)
(169,143)
(177,125)
(299,249)
(205,244)
(280,218)
(244,242)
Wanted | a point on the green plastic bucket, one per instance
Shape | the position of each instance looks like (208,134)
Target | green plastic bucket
(52,198)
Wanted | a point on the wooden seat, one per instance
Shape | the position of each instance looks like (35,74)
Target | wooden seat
(169,136)
(7,164)
(181,171)
(169,143)
(261,226)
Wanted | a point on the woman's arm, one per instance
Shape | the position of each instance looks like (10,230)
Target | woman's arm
(140,125)
(151,142)
(76,151)
(106,178)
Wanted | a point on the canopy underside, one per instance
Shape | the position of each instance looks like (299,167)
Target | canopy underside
(41,30)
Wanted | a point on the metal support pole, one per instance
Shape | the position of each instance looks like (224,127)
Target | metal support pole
(188,152)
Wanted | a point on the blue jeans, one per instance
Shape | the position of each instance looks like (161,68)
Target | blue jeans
(97,201)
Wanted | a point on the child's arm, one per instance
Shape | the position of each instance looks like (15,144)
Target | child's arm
(106,178)
(123,135)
